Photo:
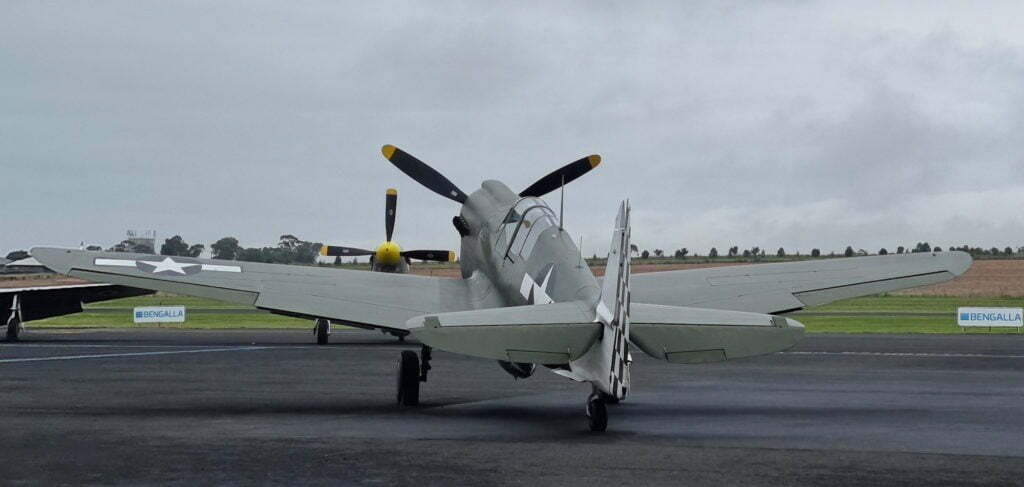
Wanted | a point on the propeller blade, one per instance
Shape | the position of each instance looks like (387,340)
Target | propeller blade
(555,180)
(390,204)
(423,173)
(332,251)
(434,255)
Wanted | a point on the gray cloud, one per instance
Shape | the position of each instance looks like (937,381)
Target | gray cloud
(788,124)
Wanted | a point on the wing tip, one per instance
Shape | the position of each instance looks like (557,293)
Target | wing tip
(388,150)
(594,160)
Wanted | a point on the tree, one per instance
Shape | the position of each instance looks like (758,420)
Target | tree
(937,249)
(633,249)
(196,250)
(645,254)
(922,247)
(1008,251)
(815,253)
(781,252)
(681,253)
(882,251)
(994,251)
(900,249)
(746,253)
(659,252)
(226,248)
(17,255)
(713,253)
(849,251)
(755,251)
(174,246)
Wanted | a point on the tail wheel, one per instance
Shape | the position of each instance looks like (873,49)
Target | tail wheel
(409,379)
(597,413)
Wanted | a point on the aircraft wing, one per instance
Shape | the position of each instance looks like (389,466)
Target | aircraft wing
(789,286)
(40,302)
(374,299)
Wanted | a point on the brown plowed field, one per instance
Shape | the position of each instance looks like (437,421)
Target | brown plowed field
(984,278)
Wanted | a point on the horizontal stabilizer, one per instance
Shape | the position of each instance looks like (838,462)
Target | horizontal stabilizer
(547,334)
(696,335)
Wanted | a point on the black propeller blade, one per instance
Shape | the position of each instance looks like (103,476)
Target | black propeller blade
(555,180)
(332,251)
(434,255)
(390,204)
(423,173)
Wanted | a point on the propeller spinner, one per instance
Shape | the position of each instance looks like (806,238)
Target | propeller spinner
(389,253)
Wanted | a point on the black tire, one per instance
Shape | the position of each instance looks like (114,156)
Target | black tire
(597,413)
(409,379)
(323,327)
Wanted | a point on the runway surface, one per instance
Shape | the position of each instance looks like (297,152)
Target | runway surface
(245,407)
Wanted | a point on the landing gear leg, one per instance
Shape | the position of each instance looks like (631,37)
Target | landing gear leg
(14,320)
(409,379)
(424,362)
(597,413)
(322,330)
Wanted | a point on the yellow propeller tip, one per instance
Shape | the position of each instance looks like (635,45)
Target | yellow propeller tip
(323,250)
(594,160)
(388,151)
(451,256)
(392,191)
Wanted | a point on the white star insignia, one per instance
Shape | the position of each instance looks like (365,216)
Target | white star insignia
(168,264)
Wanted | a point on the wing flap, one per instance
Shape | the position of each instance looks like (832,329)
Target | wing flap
(548,334)
(697,335)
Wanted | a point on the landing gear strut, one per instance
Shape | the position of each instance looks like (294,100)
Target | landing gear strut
(14,321)
(322,330)
(597,412)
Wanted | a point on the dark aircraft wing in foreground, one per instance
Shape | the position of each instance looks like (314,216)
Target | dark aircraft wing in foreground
(789,286)
(35,303)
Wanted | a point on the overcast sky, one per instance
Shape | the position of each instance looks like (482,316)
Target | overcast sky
(785,124)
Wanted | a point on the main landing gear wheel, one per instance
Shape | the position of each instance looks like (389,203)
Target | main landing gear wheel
(409,379)
(322,330)
(597,413)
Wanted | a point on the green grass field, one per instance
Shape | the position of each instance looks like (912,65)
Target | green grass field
(828,324)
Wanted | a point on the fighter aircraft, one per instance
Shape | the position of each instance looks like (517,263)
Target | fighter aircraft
(387,257)
(526,297)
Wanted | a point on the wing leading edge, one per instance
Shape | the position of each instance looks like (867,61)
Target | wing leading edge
(789,286)
(375,299)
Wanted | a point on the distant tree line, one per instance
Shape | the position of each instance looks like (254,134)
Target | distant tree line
(757,252)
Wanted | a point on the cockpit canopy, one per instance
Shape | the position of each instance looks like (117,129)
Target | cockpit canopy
(522,226)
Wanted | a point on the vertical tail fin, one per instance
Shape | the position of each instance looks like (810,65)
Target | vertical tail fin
(613,310)
(606,364)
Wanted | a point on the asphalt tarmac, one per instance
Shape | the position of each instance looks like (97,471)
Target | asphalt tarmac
(269,407)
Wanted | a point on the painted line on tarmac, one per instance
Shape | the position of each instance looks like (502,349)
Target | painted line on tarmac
(129,354)
(909,354)
(98,345)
